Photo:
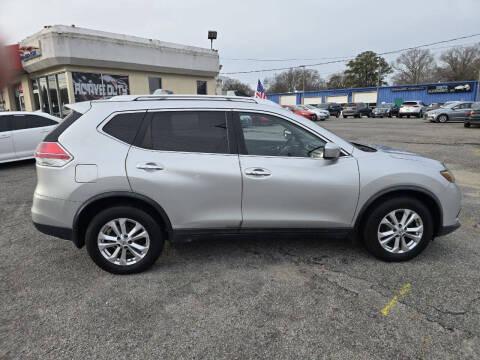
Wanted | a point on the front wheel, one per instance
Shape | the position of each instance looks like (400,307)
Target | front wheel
(398,229)
(466,124)
(124,240)
(442,118)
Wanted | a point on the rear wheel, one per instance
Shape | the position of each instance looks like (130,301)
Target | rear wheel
(466,124)
(124,240)
(398,229)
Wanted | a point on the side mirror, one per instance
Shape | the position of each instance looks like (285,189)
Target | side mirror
(331,151)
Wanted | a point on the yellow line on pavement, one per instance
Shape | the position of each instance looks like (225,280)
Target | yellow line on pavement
(404,290)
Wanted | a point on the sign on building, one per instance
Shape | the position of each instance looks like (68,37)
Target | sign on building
(92,86)
(449,88)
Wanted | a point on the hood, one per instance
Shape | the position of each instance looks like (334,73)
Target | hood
(407,155)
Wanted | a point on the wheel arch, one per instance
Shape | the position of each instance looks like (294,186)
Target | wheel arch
(92,206)
(422,194)
(443,114)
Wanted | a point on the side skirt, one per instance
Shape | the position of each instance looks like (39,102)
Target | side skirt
(188,235)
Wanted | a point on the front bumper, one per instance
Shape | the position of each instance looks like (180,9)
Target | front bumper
(445,230)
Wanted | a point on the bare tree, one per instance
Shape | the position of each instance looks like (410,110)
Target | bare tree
(293,80)
(461,63)
(413,67)
(236,85)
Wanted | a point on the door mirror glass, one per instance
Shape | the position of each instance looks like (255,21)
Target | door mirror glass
(331,151)
(317,154)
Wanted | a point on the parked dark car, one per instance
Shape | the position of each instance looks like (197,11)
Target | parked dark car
(356,110)
(385,110)
(333,108)
(473,117)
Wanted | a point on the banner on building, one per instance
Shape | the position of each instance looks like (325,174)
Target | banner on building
(449,88)
(408,88)
(92,86)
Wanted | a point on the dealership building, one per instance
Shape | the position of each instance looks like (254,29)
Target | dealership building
(67,64)
(428,93)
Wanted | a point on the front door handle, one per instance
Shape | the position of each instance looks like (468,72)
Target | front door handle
(260,172)
(149,166)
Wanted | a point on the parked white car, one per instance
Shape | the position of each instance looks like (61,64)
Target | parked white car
(412,108)
(21,132)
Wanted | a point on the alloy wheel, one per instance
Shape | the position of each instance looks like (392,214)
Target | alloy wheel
(400,231)
(123,241)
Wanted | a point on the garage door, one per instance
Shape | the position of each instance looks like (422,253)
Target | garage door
(338,99)
(312,100)
(288,100)
(365,97)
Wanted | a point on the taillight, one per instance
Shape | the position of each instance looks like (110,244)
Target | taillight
(52,154)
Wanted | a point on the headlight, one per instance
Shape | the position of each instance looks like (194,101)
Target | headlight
(448,175)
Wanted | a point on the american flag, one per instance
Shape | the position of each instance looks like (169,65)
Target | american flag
(260,93)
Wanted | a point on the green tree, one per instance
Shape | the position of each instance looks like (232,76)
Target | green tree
(239,87)
(294,80)
(367,69)
(337,81)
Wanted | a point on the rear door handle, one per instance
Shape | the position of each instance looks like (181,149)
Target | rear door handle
(259,172)
(149,166)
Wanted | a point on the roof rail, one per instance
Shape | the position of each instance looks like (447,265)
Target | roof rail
(195,97)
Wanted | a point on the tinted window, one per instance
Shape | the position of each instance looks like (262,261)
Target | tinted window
(154,83)
(201,87)
(5,123)
(190,131)
(267,135)
(69,120)
(21,122)
(124,126)
(476,106)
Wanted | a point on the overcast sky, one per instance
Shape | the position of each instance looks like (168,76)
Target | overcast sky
(263,29)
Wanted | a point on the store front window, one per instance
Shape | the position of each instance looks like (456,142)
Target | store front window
(53,94)
(36,95)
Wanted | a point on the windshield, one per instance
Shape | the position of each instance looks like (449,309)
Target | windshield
(322,106)
(384,106)
(476,106)
(448,106)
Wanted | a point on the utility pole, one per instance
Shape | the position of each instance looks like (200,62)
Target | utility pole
(303,84)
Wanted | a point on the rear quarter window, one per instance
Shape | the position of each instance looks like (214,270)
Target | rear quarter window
(69,120)
(124,126)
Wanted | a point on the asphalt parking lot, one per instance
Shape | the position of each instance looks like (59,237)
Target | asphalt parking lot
(251,298)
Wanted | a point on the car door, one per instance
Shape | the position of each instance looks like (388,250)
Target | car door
(463,110)
(185,162)
(284,187)
(7,151)
(29,131)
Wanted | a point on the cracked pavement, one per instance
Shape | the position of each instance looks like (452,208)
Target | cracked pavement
(239,298)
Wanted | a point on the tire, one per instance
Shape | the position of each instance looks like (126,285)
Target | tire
(443,118)
(466,124)
(345,116)
(420,115)
(337,116)
(134,215)
(399,116)
(373,225)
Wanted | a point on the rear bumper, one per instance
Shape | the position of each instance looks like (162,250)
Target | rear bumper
(55,231)
(473,120)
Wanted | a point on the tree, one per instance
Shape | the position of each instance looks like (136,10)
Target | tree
(367,69)
(293,80)
(414,67)
(459,64)
(337,81)
(238,86)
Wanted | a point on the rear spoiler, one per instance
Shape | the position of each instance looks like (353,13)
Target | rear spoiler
(80,107)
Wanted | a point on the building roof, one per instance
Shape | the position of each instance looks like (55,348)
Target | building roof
(71,45)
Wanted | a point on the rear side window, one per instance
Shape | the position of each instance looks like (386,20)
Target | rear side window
(69,120)
(188,131)
(125,126)
(5,123)
(34,121)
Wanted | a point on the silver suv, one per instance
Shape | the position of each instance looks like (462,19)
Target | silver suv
(122,176)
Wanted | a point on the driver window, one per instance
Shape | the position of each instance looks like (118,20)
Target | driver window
(267,135)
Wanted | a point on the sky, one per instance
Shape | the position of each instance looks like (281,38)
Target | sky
(313,31)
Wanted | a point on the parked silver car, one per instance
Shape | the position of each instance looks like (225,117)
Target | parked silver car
(321,114)
(455,111)
(21,132)
(124,175)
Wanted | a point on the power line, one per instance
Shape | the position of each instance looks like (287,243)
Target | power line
(352,57)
